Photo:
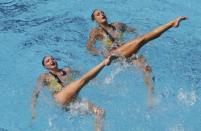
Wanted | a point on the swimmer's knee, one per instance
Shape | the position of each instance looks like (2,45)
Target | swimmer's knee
(150,36)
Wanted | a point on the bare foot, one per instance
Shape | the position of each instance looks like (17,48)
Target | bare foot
(178,20)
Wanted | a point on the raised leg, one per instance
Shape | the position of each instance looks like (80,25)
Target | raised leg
(69,92)
(99,116)
(141,63)
(133,46)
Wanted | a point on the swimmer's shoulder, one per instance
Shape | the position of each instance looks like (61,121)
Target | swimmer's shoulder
(44,78)
(118,25)
(96,33)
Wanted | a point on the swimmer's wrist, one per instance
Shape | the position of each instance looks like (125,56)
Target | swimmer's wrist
(104,63)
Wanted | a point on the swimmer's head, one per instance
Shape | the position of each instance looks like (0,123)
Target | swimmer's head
(49,62)
(99,16)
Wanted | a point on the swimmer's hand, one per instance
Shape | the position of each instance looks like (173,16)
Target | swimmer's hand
(33,115)
(109,59)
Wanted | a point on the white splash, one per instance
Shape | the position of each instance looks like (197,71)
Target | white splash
(187,98)
(79,107)
(50,122)
(119,66)
(109,79)
(177,127)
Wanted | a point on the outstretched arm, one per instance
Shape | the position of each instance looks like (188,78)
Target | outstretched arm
(91,42)
(67,94)
(39,85)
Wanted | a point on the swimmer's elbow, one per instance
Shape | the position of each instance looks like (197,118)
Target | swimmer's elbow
(34,98)
(90,46)
(93,50)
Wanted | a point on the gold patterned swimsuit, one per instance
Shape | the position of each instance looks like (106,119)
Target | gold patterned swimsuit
(55,84)
(112,39)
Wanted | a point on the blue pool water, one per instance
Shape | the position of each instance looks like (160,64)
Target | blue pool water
(30,29)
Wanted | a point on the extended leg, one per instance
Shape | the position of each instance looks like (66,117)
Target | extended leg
(133,46)
(141,63)
(99,116)
(67,94)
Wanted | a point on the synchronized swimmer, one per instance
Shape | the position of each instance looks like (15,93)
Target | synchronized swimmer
(65,90)
(111,37)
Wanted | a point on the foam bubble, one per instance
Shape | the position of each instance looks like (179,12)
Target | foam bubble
(119,66)
(187,98)
(109,79)
(177,127)
(79,107)
(50,122)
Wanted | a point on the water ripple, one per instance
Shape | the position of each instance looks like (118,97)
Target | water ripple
(7,2)
(18,25)
(13,9)
(53,30)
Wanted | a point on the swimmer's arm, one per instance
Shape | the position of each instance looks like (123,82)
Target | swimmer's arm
(91,42)
(39,85)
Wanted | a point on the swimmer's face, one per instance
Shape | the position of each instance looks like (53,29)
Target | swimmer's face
(100,17)
(50,63)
